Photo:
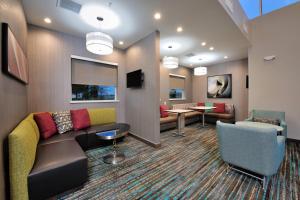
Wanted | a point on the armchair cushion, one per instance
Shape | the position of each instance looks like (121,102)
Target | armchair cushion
(268,121)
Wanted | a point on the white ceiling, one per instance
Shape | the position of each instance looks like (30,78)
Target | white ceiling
(202,20)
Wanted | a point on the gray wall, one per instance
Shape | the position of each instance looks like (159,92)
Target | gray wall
(239,70)
(165,82)
(275,85)
(50,71)
(13,95)
(142,105)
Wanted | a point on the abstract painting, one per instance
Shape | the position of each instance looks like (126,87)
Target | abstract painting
(219,86)
(14,61)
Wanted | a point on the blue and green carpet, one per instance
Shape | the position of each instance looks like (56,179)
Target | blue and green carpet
(183,168)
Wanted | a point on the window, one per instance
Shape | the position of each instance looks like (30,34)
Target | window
(271,5)
(177,84)
(93,81)
(256,8)
(251,8)
(176,94)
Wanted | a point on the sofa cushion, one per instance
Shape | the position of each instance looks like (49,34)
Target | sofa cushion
(46,124)
(102,115)
(171,118)
(209,104)
(63,121)
(268,121)
(163,112)
(80,119)
(220,107)
(58,167)
(70,135)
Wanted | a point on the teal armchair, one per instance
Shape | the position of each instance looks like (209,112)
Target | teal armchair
(270,115)
(258,150)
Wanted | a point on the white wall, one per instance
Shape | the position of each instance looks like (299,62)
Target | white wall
(142,105)
(275,85)
(239,70)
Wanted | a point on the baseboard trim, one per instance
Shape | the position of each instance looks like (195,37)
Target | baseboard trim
(145,141)
(293,140)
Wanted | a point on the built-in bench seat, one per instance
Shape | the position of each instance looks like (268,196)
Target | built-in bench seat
(169,122)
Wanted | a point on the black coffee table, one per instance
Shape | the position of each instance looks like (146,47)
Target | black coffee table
(117,131)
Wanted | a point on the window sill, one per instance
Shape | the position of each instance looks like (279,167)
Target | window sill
(177,99)
(95,101)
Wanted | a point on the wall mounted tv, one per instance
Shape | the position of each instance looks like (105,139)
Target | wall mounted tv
(135,79)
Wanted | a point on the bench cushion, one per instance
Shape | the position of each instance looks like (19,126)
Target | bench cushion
(53,161)
(171,118)
(192,114)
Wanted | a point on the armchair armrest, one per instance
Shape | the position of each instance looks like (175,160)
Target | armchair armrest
(284,126)
(248,119)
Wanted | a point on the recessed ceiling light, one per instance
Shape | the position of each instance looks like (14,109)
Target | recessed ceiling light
(179,29)
(99,17)
(211,48)
(203,44)
(225,57)
(47,20)
(121,42)
(157,16)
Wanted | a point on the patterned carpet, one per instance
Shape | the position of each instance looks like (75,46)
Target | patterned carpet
(183,168)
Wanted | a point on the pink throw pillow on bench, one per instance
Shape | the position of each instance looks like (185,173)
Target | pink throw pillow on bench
(220,107)
(163,113)
(46,124)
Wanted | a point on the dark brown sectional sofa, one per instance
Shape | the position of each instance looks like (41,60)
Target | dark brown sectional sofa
(40,169)
(169,122)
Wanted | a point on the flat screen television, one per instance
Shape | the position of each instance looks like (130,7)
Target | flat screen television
(135,79)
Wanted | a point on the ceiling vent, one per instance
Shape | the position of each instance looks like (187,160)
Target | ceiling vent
(69,5)
(190,55)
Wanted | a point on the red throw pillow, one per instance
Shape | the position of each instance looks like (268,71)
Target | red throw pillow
(46,124)
(80,119)
(220,107)
(163,112)
(201,104)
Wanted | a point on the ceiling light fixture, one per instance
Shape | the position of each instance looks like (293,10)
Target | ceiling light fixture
(203,44)
(170,62)
(121,42)
(99,16)
(157,16)
(200,71)
(179,29)
(225,57)
(211,48)
(99,43)
(47,20)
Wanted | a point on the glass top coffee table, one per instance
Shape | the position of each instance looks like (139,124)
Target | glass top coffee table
(115,156)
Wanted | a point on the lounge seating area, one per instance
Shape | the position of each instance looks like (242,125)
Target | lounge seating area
(55,164)
(164,99)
